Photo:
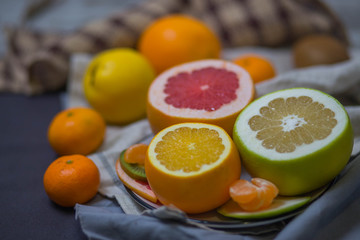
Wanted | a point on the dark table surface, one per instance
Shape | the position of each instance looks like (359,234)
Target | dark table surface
(27,212)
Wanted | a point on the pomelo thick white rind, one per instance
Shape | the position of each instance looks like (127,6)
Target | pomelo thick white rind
(161,115)
(310,166)
(279,206)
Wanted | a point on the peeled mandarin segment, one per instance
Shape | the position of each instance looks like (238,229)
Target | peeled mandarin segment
(256,204)
(270,191)
(136,153)
(264,184)
(255,195)
(242,191)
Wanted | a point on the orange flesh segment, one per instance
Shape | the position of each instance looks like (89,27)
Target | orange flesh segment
(287,123)
(141,188)
(243,191)
(255,195)
(186,149)
(136,154)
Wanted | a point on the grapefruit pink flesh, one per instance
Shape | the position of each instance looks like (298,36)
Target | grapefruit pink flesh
(204,89)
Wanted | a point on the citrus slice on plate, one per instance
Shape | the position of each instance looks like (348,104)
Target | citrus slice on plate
(279,206)
(142,188)
(191,166)
(299,139)
(259,67)
(208,91)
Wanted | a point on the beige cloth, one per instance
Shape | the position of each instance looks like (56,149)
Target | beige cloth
(339,79)
(37,62)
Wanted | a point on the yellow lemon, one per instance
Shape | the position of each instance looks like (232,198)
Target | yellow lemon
(116,84)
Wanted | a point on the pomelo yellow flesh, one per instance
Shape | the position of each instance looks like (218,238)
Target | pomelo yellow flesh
(298,138)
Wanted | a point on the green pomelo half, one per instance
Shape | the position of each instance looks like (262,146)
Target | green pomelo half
(279,206)
(299,139)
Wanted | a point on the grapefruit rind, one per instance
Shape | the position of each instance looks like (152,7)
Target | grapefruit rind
(161,114)
(309,166)
(142,188)
(280,205)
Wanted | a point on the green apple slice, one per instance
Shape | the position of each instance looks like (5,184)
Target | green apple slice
(279,206)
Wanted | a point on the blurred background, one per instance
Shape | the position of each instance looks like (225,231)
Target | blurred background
(67,15)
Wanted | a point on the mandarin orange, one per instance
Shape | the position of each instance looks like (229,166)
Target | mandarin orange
(77,130)
(259,68)
(71,179)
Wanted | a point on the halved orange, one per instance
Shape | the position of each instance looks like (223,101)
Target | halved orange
(207,91)
(191,166)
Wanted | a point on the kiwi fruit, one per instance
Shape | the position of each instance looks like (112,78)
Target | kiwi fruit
(135,171)
(319,49)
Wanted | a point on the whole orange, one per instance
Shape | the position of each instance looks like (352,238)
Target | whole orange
(258,67)
(71,179)
(76,131)
(176,39)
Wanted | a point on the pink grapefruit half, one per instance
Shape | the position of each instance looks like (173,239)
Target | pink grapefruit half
(206,91)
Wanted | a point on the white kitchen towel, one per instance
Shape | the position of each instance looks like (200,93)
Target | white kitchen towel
(341,80)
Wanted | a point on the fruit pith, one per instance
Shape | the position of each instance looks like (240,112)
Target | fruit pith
(299,139)
(203,89)
(207,91)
